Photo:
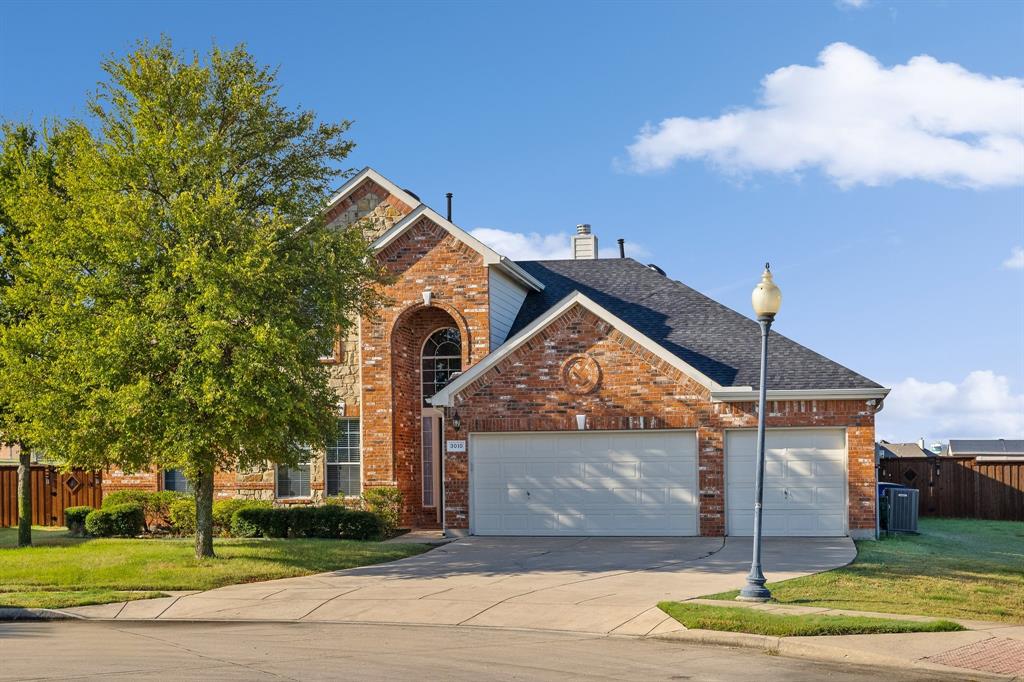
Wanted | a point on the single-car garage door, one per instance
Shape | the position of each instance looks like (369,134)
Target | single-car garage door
(804,482)
(584,483)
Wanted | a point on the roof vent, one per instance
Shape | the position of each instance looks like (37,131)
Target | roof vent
(658,270)
(584,244)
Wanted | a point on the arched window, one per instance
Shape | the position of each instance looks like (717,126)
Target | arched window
(442,358)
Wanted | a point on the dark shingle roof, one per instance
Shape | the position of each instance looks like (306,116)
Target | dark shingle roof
(887,450)
(715,340)
(987,447)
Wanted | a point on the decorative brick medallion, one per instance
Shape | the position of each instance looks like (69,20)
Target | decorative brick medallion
(581,374)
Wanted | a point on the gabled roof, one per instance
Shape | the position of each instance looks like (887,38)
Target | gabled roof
(357,179)
(490,256)
(715,341)
(445,395)
(1000,446)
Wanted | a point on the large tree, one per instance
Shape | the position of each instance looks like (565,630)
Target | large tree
(184,284)
(19,156)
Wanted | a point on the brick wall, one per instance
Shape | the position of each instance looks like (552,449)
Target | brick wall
(525,392)
(425,257)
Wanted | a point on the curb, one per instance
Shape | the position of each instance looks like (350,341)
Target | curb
(784,646)
(10,614)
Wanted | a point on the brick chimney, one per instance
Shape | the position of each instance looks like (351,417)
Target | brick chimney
(584,244)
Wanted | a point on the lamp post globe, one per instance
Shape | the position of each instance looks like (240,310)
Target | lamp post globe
(766,297)
(766,300)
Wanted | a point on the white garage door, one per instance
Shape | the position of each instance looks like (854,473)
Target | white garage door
(804,482)
(584,483)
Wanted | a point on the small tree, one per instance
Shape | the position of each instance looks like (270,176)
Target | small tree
(183,281)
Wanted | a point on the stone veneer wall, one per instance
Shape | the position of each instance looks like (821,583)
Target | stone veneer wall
(524,392)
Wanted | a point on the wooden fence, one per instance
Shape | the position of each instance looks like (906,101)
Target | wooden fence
(52,492)
(961,486)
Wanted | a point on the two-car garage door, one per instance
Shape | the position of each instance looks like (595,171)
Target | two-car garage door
(584,483)
(645,483)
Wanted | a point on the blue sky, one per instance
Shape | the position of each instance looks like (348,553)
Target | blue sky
(887,193)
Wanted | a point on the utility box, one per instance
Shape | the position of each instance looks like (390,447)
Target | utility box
(902,507)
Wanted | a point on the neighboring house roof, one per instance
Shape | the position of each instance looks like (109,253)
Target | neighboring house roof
(716,341)
(887,450)
(1000,447)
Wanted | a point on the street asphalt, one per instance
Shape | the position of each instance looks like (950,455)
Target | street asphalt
(60,650)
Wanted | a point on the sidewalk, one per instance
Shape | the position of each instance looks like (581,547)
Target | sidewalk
(995,649)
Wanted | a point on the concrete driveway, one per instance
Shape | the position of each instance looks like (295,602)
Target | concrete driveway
(598,585)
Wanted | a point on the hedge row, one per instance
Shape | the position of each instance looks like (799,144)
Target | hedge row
(248,519)
(329,521)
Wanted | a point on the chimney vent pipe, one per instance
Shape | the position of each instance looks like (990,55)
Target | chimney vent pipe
(448,196)
(622,247)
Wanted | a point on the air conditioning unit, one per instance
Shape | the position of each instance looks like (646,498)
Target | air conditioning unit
(902,509)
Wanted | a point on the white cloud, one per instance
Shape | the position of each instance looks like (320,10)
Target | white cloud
(853,4)
(860,123)
(981,406)
(525,245)
(536,246)
(1016,259)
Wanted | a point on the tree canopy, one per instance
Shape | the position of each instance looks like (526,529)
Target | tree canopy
(180,281)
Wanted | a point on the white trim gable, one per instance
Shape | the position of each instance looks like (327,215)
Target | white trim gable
(357,179)
(490,256)
(446,396)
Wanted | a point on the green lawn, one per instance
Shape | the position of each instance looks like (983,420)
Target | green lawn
(955,568)
(63,571)
(739,619)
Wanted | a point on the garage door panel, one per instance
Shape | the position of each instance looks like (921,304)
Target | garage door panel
(804,483)
(635,483)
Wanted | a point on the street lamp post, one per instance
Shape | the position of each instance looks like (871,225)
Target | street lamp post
(766,300)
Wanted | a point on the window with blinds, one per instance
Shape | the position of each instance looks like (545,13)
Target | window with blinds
(343,460)
(175,480)
(293,481)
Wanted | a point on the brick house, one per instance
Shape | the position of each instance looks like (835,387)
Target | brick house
(579,397)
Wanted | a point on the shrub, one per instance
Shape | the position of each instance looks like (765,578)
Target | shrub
(361,525)
(244,525)
(302,522)
(182,516)
(123,520)
(74,519)
(385,502)
(345,502)
(328,521)
(224,512)
(269,523)
(156,504)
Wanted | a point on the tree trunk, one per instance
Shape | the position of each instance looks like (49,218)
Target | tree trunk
(203,491)
(25,498)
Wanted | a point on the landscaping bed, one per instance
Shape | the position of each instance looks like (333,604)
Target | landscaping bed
(61,571)
(741,619)
(957,568)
